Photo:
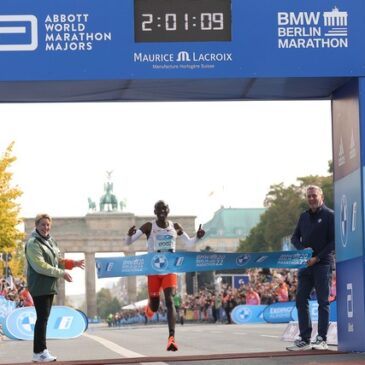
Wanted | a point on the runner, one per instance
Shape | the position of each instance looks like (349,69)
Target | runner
(161,237)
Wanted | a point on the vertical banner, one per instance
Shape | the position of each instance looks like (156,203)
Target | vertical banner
(349,215)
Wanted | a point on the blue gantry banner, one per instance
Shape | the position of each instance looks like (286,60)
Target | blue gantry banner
(169,39)
(163,263)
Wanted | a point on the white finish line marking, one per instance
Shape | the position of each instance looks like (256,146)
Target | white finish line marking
(119,349)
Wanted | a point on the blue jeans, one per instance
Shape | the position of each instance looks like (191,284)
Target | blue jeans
(318,277)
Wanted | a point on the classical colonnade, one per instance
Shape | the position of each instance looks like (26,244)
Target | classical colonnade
(100,232)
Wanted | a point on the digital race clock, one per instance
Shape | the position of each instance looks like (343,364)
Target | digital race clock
(182,20)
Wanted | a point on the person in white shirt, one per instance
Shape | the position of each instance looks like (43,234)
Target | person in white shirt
(161,237)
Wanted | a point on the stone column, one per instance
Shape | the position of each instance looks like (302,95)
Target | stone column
(90,284)
(61,296)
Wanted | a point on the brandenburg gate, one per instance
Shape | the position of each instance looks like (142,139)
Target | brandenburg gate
(101,231)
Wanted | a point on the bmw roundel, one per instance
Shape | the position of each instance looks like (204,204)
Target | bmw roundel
(242,259)
(159,262)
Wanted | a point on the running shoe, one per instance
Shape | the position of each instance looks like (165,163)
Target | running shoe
(148,312)
(44,356)
(171,344)
(319,344)
(300,345)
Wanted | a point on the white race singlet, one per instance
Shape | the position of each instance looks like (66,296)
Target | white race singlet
(162,239)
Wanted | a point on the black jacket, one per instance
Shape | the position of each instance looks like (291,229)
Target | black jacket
(316,230)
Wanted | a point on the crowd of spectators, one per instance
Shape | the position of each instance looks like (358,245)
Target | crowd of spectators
(15,290)
(263,286)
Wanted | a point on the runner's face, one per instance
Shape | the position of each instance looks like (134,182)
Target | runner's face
(44,227)
(314,198)
(162,211)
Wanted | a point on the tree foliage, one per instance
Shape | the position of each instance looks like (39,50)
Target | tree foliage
(10,235)
(106,303)
(284,205)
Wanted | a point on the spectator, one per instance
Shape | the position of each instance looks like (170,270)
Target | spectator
(252,297)
(228,304)
(45,266)
(281,292)
(315,230)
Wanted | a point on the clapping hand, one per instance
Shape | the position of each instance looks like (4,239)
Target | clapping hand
(80,264)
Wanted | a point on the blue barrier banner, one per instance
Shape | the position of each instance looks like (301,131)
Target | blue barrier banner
(248,314)
(63,323)
(6,307)
(163,263)
(313,311)
(280,312)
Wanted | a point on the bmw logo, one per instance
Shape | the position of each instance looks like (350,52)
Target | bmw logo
(242,259)
(242,314)
(26,322)
(245,314)
(159,262)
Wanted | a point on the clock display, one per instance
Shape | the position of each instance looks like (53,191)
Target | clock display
(182,20)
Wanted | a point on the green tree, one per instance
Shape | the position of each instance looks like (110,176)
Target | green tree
(10,236)
(284,205)
(106,303)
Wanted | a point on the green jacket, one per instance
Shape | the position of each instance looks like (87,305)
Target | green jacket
(44,267)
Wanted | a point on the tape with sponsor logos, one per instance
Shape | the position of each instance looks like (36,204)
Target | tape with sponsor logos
(177,262)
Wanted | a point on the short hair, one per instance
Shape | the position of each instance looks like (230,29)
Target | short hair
(161,202)
(41,216)
(314,187)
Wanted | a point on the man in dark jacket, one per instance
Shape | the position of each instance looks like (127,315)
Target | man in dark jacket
(315,230)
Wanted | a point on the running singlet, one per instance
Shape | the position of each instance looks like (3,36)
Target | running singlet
(162,239)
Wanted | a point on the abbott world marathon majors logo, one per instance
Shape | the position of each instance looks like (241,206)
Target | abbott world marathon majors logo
(18,33)
(182,60)
(314,29)
(63,32)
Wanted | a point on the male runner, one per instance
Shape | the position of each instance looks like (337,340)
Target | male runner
(161,237)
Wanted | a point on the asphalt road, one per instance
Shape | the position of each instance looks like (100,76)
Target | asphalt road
(128,344)
(101,342)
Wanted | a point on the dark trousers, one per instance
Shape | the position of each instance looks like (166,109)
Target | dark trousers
(43,305)
(319,278)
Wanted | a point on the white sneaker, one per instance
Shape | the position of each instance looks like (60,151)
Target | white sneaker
(299,345)
(319,344)
(44,356)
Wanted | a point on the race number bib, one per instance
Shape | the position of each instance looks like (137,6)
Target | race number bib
(164,242)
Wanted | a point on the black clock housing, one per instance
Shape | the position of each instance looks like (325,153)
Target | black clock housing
(182,20)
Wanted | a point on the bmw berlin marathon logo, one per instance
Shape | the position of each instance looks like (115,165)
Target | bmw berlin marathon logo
(159,262)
